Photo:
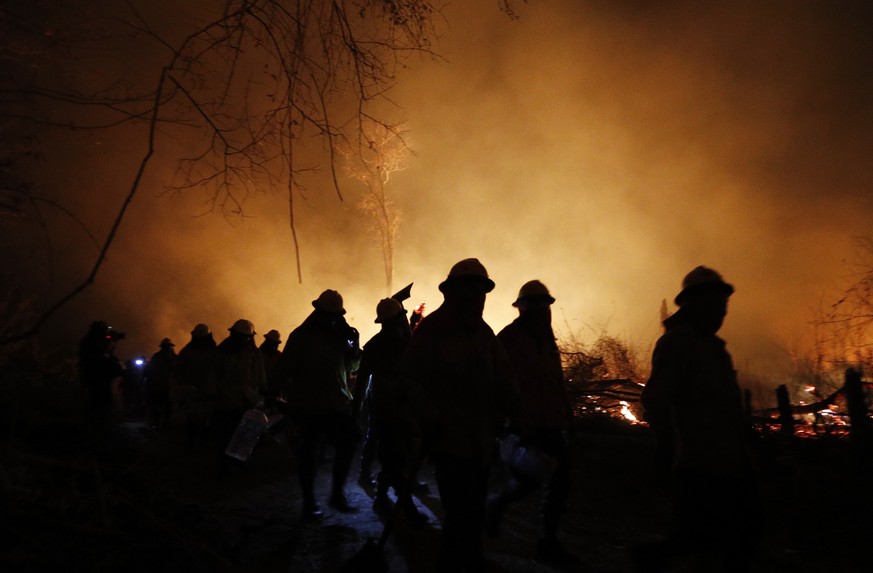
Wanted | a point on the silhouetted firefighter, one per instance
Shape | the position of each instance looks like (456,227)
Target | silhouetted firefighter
(99,368)
(545,420)
(390,426)
(463,391)
(240,384)
(694,405)
(159,382)
(313,373)
(196,371)
(362,393)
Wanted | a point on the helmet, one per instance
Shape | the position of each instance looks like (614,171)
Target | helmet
(273,336)
(244,327)
(330,301)
(533,290)
(387,308)
(702,279)
(468,271)
(166,342)
(200,330)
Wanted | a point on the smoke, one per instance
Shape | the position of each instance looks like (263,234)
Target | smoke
(605,148)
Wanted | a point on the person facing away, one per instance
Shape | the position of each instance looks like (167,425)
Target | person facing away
(240,383)
(545,417)
(270,352)
(313,373)
(389,428)
(693,404)
(462,391)
(196,370)
(98,369)
(159,382)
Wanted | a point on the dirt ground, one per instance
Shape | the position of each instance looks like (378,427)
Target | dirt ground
(149,503)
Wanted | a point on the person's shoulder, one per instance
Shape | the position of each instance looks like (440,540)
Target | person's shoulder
(511,330)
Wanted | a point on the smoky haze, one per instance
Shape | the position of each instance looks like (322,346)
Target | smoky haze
(605,148)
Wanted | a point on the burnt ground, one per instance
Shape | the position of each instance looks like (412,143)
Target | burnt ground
(149,503)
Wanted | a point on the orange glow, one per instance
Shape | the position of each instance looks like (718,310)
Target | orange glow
(601,149)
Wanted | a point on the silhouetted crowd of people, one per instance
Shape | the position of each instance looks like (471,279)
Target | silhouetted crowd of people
(445,389)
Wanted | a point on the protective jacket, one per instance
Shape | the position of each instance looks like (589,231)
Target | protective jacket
(461,385)
(240,379)
(539,374)
(315,365)
(379,366)
(693,403)
(196,365)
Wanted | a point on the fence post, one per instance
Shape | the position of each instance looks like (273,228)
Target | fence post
(786,412)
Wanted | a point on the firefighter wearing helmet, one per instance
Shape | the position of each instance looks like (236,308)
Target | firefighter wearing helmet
(240,382)
(463,391)
(546,415)
(313,373)
(694,405)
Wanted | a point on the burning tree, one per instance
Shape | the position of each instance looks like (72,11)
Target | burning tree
(380,151)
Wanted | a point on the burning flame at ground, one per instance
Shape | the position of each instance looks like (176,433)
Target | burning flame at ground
(626,412)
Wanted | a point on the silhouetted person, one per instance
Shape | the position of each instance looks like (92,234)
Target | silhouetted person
(196,371)
(159,382)
(99,368)
(545,417)
(240,383)
(314,373)
(270,351)
(362,392)
(694,405)
(463,392)
(389,428)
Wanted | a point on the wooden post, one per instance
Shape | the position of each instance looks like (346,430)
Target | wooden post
(786,412)
(857,407)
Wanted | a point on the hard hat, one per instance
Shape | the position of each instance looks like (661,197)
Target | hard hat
(244,327)
(468,271)
(702,279)
(166,342)
(388,308)
(330,301)
(533,291)
(273,336)
(200,330)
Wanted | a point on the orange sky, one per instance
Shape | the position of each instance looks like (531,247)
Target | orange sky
(605,148)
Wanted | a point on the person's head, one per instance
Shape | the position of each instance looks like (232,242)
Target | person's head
(273,338)
(242,328)
(534,303)
(392,316)
(166,345)
(329,305)
(704,299)
(201,331)
(466,286)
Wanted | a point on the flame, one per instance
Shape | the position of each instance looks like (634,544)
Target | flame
(626,412)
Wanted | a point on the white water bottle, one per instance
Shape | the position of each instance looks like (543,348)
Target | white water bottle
(247,434)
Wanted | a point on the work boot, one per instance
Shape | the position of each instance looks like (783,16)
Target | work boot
(339,502)
(550,552)
(310,511)
(421,487)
